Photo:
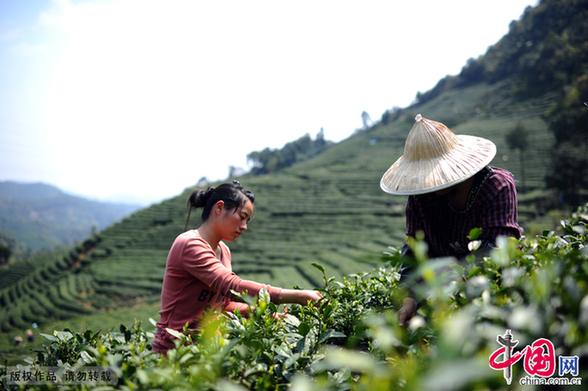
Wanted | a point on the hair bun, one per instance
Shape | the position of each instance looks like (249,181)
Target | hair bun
(207,194)
(199,198)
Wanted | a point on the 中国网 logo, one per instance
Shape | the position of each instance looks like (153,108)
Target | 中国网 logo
(539,362)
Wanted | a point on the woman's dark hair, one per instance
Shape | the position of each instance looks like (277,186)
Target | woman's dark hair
(232,194)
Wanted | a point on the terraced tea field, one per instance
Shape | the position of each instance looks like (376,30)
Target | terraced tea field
(298,221)
(329,210)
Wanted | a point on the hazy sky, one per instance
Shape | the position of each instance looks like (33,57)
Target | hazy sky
(146,97)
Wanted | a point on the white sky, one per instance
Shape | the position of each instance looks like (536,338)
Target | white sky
(145,97)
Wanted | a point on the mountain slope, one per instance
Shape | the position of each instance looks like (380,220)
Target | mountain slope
(41,217)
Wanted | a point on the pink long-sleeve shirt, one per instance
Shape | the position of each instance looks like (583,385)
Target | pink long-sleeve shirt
(196,280)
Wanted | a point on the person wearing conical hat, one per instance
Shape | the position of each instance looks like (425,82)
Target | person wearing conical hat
(452,189)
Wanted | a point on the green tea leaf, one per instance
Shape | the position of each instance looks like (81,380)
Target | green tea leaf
(49,337)
(327,311)
(304,328)
(316,265)
(475,233)
(175,333)
(326,335)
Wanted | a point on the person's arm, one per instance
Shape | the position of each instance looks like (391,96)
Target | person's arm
(200,261)
(203,264)
(242,307)
(288,296)
(302,297)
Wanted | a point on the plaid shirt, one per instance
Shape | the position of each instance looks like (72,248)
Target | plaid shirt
(492,206)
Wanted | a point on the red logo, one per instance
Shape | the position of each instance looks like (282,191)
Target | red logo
(539,357)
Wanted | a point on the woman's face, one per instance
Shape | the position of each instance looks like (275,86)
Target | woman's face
(235,221)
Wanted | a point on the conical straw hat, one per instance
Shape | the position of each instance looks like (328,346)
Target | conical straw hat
(435,158)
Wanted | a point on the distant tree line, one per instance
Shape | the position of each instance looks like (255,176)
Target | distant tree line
(272,160)
(391,115)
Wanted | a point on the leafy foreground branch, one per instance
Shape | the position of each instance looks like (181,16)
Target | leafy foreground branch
(536,288)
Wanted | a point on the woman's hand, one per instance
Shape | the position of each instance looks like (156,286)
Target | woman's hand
(301,297)
(312,296)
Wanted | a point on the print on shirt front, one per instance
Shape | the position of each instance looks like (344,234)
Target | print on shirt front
(207,296)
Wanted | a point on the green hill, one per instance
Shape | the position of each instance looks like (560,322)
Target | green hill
(328,209)
(40,217)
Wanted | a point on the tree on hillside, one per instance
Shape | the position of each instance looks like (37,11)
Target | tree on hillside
(391,115)
(272,160)
(319,141)
(569,171)
(518,138)
(4,254)
(385,117)
(568,121)
(445,84)
(235,171)
(203,182)
(472,72)
(366,119)
(6,244)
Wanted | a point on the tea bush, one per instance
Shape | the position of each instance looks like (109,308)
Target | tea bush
(351,340)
